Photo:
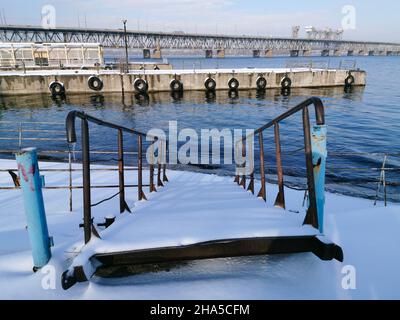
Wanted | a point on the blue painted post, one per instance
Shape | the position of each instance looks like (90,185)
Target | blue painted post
(31,185)
(319,154)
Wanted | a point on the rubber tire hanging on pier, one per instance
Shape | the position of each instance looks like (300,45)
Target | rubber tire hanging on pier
(140,85)
(95,83)
(349,81)
(261,83)
(233,84)
(286,83)
(57,88)
(210,84)
(176,85)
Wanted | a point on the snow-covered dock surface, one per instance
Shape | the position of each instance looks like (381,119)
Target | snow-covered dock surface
(175,215)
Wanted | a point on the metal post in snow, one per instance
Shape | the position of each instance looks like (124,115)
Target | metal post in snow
(319,154)
(31,185)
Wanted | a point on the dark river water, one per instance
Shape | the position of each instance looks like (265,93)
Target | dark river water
(363,124)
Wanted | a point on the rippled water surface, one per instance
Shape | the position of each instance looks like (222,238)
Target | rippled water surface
(363,124)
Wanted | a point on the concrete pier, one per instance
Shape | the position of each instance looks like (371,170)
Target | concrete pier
(77,81)
(146,54)
(269,53)
(325,53)
(157,53)
(337,53)
(221,53)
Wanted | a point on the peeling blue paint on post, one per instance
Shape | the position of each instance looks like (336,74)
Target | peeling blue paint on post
(31,185)
(319,154)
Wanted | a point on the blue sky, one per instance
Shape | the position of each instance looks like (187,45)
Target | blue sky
(375,20)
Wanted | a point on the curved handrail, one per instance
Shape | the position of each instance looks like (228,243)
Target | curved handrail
(312,212)
(319,113)
(71,138)
(70,125)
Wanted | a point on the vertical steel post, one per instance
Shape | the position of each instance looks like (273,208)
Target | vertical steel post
(31,185)
(280,198)
(70,179)
(237,178)
(384,186)
(165,179)
(319,154)
(382,181)
(121,176)
(251,183)
(243,181)
(141,195)
(152,186)
(87,210)
(160,155)
(262,193)
(312,211)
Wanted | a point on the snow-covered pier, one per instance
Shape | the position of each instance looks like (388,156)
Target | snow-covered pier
(352,223)
(195,217)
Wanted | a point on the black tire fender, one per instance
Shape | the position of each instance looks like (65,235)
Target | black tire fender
(210,84)
(286,82)
(57,88)
(95,83)
(176,85)
(233,84)
(140,85)
(349,81)
(261,83)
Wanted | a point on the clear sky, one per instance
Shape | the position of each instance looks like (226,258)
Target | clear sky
(375,20)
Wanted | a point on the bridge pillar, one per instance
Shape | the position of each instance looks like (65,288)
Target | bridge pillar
(371,53)
(361,53)
(269,53)
(337,53)
(306,53)
(325,53)
(256,53)
(294,53)
(221,53)
(350,53)
(146,54)
(157,53)
(389,53)
(209,54)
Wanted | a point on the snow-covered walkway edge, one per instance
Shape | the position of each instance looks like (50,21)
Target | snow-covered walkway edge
(368,235)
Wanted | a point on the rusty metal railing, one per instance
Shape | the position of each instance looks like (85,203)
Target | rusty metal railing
(312,211)
(71,138)
(38,132)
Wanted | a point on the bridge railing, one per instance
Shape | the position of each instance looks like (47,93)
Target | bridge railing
(85,144)
(240,146)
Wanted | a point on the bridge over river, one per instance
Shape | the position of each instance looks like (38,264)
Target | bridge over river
(152,43)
